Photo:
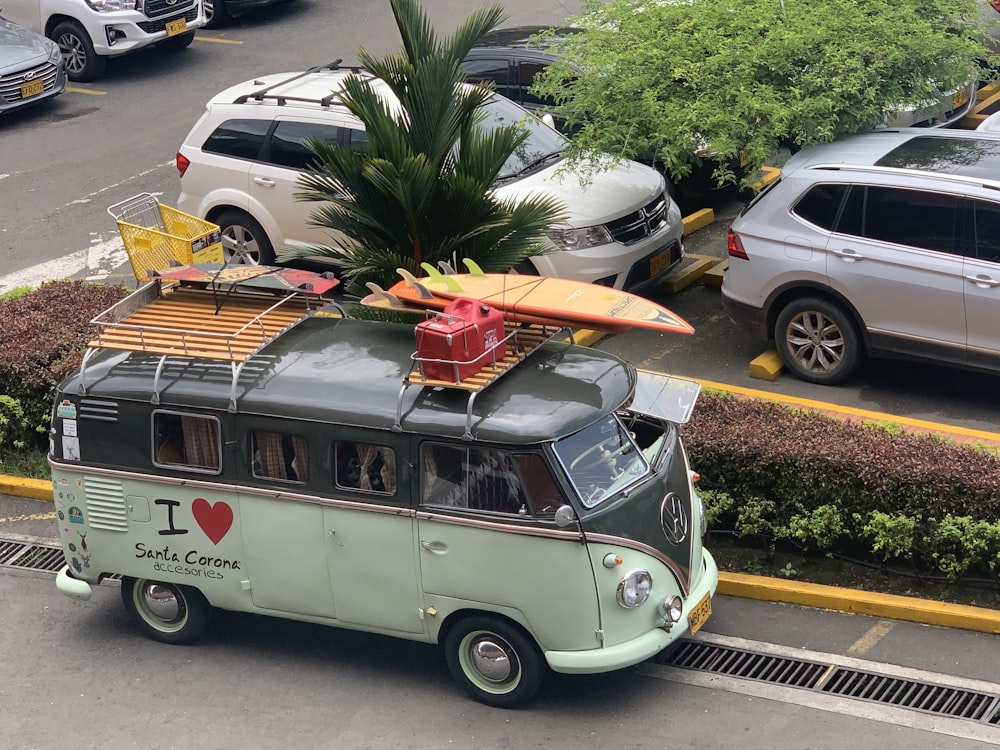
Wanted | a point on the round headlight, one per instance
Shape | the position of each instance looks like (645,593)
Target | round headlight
(635,588)
(673,608)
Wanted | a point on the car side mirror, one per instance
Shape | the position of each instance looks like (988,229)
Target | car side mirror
(549,120)
(565,516)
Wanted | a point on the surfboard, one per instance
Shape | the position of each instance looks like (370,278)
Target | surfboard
(271,278)
(573,302)
(384,300)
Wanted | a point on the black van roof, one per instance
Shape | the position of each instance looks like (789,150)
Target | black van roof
(348,371)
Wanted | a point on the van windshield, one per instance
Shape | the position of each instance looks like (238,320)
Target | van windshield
(601,460)
(542,148)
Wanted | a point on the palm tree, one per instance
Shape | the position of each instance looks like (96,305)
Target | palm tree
(420,191)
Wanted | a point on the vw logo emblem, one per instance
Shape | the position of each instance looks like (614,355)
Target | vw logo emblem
(674,519)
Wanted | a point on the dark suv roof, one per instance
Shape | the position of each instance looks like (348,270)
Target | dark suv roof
(516,37)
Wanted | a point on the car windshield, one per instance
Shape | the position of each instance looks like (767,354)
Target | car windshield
(542,147)
(601,460)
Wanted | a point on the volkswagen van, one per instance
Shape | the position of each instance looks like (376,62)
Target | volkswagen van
(547,521)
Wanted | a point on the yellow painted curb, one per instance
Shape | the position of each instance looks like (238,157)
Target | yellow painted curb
(693,269)
(767,366)
(587,337)
(714,275)
(36,489)
(860,602)
(700,218)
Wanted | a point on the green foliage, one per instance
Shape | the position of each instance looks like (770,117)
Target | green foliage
(14,427)
(891,536)
(962,543)
(818,528)
(18,291)
(742,78)
(420,190)
(717,505)
(788,571)
(831,485)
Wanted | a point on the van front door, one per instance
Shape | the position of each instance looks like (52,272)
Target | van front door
(488,541)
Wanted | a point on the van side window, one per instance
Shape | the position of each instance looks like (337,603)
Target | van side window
(190,442)
(543,491)
(277,455)
(365,467)
(476,478)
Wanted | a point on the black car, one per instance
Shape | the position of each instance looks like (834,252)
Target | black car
(219,12)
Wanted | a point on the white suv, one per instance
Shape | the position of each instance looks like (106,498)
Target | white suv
(240,164)
(88,32)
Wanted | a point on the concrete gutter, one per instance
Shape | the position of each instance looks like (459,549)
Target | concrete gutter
(750,587)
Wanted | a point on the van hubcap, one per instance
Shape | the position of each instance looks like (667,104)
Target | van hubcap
(491,660)
(162,602)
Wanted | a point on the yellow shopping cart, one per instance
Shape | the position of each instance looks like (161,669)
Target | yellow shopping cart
(158,236)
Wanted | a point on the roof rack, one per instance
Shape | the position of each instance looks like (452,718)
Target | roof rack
(949,176)
(264,93)
(191,320)
(521,340)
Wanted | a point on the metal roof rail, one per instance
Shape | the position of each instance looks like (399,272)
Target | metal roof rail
(264,93)
(946,176)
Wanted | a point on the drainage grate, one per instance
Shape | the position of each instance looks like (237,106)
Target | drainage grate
(919,696)
(927,697)
(48,558)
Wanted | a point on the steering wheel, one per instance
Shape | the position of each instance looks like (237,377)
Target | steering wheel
(605,456)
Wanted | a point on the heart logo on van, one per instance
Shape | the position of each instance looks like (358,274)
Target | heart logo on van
(215,520)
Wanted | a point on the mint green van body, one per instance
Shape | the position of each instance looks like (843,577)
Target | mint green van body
(551,523)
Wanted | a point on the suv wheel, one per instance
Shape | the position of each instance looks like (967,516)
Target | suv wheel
(817,341)
(244,240)
(215,13)
(82,63)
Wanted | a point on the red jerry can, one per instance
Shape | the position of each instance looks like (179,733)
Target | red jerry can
(460,340)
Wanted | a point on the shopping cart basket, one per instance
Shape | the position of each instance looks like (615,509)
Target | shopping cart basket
(158,236)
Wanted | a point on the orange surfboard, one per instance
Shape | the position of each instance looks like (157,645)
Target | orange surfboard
(572,302)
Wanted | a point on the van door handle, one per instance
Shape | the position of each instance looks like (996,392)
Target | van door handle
(848,254)
(264,181)
(438,548)
(983,281)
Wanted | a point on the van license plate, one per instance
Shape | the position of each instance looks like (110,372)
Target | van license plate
(32,88)
(700,614)
(959,98)
(176,27)
(660,262)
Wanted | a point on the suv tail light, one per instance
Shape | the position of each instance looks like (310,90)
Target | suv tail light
(182,164)
(735,245)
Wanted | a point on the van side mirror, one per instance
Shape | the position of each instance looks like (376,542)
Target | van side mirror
(565,516)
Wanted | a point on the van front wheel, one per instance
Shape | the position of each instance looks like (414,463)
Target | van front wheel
(166,612)
(494,661)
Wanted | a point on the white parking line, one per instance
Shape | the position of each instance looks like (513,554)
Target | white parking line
(97,261)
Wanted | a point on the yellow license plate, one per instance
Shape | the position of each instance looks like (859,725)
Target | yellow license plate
(744,158)
(660,262)
(176,27)
(959,98)
(700,614)
(32,88)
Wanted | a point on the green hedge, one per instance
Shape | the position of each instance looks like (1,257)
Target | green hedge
(824,484)
(44,335)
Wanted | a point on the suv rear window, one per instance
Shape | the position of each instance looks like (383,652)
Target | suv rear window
(241,139)
(821,204)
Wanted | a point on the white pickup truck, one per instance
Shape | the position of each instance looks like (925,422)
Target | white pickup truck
(90,31)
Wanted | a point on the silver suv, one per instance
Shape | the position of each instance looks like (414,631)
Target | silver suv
(883,244)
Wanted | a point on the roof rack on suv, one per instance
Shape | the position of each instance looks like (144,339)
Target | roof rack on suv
(948,176)
(264,93)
